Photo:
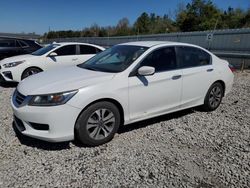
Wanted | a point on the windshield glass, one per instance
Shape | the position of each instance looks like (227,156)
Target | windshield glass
(115,59)
(45,49)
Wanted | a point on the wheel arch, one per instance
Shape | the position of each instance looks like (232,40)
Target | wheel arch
(223,85)
(115,102)
(30,68)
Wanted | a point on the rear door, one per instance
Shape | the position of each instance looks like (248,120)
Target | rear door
(158,93)
(85,52)
(197,72)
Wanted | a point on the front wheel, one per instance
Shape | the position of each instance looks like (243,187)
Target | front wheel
(213,97)
(30,71)
(98,124)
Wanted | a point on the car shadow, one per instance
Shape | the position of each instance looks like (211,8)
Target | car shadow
(8,84)
(32,142)
(151,121)
(145,123)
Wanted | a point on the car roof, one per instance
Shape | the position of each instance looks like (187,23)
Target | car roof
(16,38)
(77,43)
(154,43)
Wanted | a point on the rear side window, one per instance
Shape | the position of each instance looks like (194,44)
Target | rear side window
(163,59)
(7,43)
(32,43)
(192,57)
(84,49)
(23,44)
(66,50)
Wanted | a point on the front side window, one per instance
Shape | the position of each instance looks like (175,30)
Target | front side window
(66,50)
(115,59)
(84,49)
(163,59)
(7,43)
(192,57)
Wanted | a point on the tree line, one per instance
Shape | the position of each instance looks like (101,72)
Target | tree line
(199,15)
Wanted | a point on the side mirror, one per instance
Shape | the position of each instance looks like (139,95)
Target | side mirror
(146,71)
(52,54)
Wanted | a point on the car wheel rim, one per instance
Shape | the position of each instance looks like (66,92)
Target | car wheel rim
(31,72)
(100,124)
(215,97)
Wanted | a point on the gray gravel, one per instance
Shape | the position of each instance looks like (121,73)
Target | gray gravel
(185,149)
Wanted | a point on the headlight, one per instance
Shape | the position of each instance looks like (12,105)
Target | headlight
(52,99)
(13,64)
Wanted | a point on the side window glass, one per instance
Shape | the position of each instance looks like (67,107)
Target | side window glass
(7,43)
(192,57)
(163,59)
(84,49)
(23,44)
(204,57)
(66,50)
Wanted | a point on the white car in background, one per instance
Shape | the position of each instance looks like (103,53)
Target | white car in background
(15,69)
(124,84)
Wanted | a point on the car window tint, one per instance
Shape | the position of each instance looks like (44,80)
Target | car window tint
(66,50)
(192,57)
(32,43)
(163,59)
(23,44)
(7,43)
(84,49)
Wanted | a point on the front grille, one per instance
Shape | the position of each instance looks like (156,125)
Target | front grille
(19,124)
(19,98)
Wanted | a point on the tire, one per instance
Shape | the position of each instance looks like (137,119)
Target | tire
(30,71)
(213,97)
(97,124)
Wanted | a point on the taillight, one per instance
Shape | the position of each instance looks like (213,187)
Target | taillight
(231,67)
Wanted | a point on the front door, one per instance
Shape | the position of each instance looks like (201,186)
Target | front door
(158,93)
(66,56)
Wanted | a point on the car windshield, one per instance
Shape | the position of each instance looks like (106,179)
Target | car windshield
(45,49)
(115,59)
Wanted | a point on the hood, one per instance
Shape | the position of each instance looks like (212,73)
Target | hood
(60,80)
(16,58)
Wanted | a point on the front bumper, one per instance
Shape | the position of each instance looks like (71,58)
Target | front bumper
(6,77)
(60,119)
(2,78)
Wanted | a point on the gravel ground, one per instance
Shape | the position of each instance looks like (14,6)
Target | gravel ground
(185,149)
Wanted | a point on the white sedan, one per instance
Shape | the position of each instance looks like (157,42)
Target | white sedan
(15,69)
(124,84)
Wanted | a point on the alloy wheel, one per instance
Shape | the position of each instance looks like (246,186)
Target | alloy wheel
(100,124)
(215,96)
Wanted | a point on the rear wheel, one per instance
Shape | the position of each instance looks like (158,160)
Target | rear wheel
(98,124)
(30,71)
(213,97)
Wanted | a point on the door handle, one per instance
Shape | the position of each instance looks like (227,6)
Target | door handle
(210,70)
(74,59)
(176,77)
